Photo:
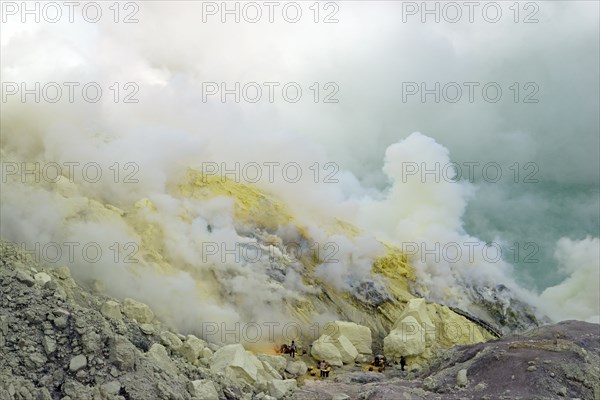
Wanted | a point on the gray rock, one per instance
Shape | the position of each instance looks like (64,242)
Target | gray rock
(63,273)
(43,394)
(148,329)
(276,361)
(122,353)
(76,390)
(81,375)
(429,384)
(279,388)
(3,329)
(206,353)
(42,278)
(271,371)
(296,368)
(38,359)
(25,278)
(60,312)
(4,325)
(138,311)
(264,396)
(461,378)
(49,345)
(61,322)
(111,388)
(77,363)
(203,389)
(192,348)
(170,340)
(158,355)
(91,342)
(60,294)
(340,396)
(111,310)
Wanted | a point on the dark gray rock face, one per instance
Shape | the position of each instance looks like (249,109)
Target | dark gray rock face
(55,343)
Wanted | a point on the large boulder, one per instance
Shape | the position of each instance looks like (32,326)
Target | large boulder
(324,348)
(110,388)
(170,340)
(77,363)
(206,353)
(346,349)
(239,365)
(122,353)
(417,308)
(412,333)
(203,390)
(192,348)
(296,368)
(278,388)
(277,362)
(358,335)
(92,342)
(461,378)
(42,278)
(407,340)
(111,310)
(138,311)
(271,371)
(157,355)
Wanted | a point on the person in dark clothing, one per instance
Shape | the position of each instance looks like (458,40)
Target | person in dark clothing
(379,361)
(322,367)
(293,349)
(402,362)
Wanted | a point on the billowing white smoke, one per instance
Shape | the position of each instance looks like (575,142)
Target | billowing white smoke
(578,296)
(422,213)
(171,128)
(49,217)
(347,262)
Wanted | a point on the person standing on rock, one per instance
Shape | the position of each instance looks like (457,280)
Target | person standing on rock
(322,368)
(293,349)
(402,362)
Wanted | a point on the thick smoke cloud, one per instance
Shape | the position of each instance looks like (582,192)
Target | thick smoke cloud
(577,297)
(368,134)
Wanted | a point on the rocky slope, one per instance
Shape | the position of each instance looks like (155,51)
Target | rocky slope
(291,281)
(551,362)
(60,340)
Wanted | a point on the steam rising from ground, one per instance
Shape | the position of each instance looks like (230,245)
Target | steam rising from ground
(171,129)
(578,295)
